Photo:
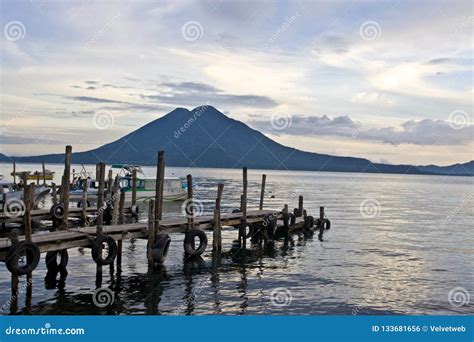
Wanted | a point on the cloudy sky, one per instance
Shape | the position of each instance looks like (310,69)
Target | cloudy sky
(390,81)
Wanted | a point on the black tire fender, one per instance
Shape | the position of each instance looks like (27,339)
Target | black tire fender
(189,247)
(27,248)
(160,248)
(97,246)
(57,211)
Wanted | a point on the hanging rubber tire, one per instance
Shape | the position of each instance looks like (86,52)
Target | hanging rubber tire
(52,263)
(97,248)
(297,212)
(57,211)
(79,204)
(189,247)
(251,230)
(134,210)
(22,248)
(160,248)
(327,224)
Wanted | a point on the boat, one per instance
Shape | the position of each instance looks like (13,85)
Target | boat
(13,194)
(40,175)
(37,175)
(174,188)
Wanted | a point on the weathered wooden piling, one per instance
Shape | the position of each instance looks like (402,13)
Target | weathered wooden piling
(151,233)
(321,223)
(114,200)
(243,225)
(54,193)
(134,187)
(14,173)
(217,236)
(300,206)
(189,204)
(121,207)
(84,201)
(262,191)
(65,186)
(44,173)
(100,199)
(160,178)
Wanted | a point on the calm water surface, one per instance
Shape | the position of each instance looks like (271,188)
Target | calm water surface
(399,244)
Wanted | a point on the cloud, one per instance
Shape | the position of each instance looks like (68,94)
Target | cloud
(198,93)
(422,132)
(91,99)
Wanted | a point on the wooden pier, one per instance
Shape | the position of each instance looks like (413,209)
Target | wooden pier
(262,226)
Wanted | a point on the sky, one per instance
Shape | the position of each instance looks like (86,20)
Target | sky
(390,81)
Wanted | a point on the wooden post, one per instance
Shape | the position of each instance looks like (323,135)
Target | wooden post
(100,199)
(189,204)
(217,238)
(84,201)
(44,173)
(97,171)
(14,173)
(121,207)
(244,208)
(262,192)
(134,187)
(160,178)
(109,185)
(27,215)
(121,220)
(114,199)
(151,232)
(14,278)
(65,185)
(4,208)
(300,206)
(54,193)
(321,223)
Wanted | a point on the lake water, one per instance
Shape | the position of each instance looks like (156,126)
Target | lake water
(399,244)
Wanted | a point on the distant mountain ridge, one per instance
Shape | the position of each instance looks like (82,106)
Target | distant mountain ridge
(205,137)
